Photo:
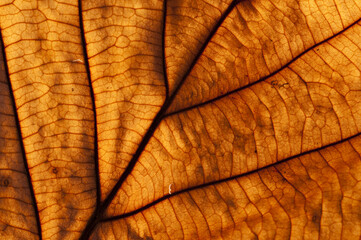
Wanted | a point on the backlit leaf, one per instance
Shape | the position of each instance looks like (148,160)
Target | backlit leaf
(180,119)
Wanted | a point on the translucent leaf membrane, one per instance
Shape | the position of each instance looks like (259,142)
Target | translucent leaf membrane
(52,97)
(256,40)
(188,23)
(310,104)
(17,212)
(314,196)
(180,119)
(125,59)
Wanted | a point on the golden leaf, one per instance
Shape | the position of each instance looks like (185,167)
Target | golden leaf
(180,119)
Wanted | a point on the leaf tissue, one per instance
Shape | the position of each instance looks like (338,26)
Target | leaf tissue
(180,119)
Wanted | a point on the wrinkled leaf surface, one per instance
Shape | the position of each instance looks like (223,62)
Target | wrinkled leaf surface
(180,119)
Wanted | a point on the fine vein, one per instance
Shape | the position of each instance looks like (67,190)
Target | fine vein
(98,213)
(36,211)
(227,179)
(265,77)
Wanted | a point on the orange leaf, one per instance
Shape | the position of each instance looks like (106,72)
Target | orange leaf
(180,119)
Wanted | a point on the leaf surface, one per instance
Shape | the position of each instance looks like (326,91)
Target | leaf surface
(180,119)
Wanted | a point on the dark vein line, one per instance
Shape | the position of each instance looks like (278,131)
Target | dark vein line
(163,50)
(265,77)
(98,214)
(205,44)
(17,122)
(86,62)
(227,179)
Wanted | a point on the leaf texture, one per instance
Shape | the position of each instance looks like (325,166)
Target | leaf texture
(15,182)
(180,119)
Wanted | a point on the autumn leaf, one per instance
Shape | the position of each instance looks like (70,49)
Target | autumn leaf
(180,119)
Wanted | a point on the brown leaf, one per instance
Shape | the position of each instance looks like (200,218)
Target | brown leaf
(180,119)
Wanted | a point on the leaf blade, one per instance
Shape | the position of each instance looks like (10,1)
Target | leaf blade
(55,112)
(14,174)
(175,138)
(254,125)
(128,84)
(252,43)
(296,193)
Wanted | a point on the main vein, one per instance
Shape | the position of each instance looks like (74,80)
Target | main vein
(86,61)
(36,211)
(99,212)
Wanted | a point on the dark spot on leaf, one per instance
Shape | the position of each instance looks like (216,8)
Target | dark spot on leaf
(240,140)
(315,218)
(255,151)
(6,182)
(55,170)
(274,83)
(133,235)
(231,203)
(72,89)
(199,172)
(248,6)
(106,11)
(40,38)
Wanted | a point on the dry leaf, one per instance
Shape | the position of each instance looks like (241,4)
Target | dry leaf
(180,119)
